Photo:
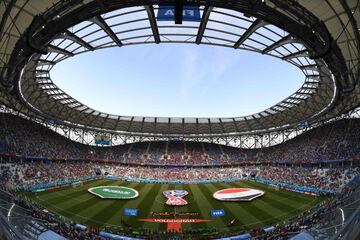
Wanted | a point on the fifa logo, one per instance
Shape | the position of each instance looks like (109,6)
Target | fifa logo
(175,197)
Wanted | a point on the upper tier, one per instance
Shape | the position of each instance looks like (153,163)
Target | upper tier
(335,141)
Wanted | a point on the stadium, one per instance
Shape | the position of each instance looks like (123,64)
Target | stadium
(289,171)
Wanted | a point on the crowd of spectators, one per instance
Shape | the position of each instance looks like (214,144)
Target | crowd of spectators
(335,141)
(186,174)
(16,173)
(320,178)
(313,218)
(38,154)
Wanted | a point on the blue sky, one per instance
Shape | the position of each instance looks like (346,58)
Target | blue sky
(177,80)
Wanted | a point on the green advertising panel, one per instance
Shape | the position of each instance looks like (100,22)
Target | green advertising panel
(114,192)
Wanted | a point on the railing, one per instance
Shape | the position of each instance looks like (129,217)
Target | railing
(17,222)
(340,222)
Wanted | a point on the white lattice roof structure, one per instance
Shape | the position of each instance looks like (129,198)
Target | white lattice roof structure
(321,38)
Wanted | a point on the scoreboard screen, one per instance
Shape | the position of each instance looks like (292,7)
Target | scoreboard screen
(102,139)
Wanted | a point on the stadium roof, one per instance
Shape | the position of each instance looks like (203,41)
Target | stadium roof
(319,37)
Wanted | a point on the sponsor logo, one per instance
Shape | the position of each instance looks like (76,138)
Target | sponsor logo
(173,224)
(175,197)
(175,214)
(131,212)
(217,213)
(114,192)
(237,194)
(167,13)
(172,220)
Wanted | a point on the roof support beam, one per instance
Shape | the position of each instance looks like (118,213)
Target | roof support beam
(247,123)
(222,125)
(105,27)
(209,122)
(236,126)
(268,112)
(67,98)
(92,120)
(153,23)
(104,121)
(117,122)
(279,43)
(183,125)
(313,78)
(42,71)
(312,67)
(45,83)
(71,36)
(294,98)
(54,94)
(309,88)
(155,124)
(130,124)
(276,110)
(258,122)
(43,62)
(253,27)
(203,23)
(6,14)
(179,7)
(302,53)
(304,94)
(284,106)
(56,49)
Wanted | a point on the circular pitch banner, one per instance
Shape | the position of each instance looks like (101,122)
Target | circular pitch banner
(114,192)
(175,197)
(237,194)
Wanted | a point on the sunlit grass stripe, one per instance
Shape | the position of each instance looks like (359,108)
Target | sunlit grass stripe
(71,193)
(194,206)
(54,204)
(85,218)
(157,206)
(236,210)
(209,190)
(48,195)
(144,203)
(272,201)
(293,201)
(107,209)
(162,208)
(76,208)
(287,194)
(83,195)
(204,196)
(298,208)
(261,212)
(151,199)
(61,210)
(179,208)
(166,208)
(277,200)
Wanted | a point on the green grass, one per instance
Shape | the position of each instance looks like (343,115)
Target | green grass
(80,206)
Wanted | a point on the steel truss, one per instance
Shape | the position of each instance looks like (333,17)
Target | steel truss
(246,141)
(330,62)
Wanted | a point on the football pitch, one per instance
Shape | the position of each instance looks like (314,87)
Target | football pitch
(80,206)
